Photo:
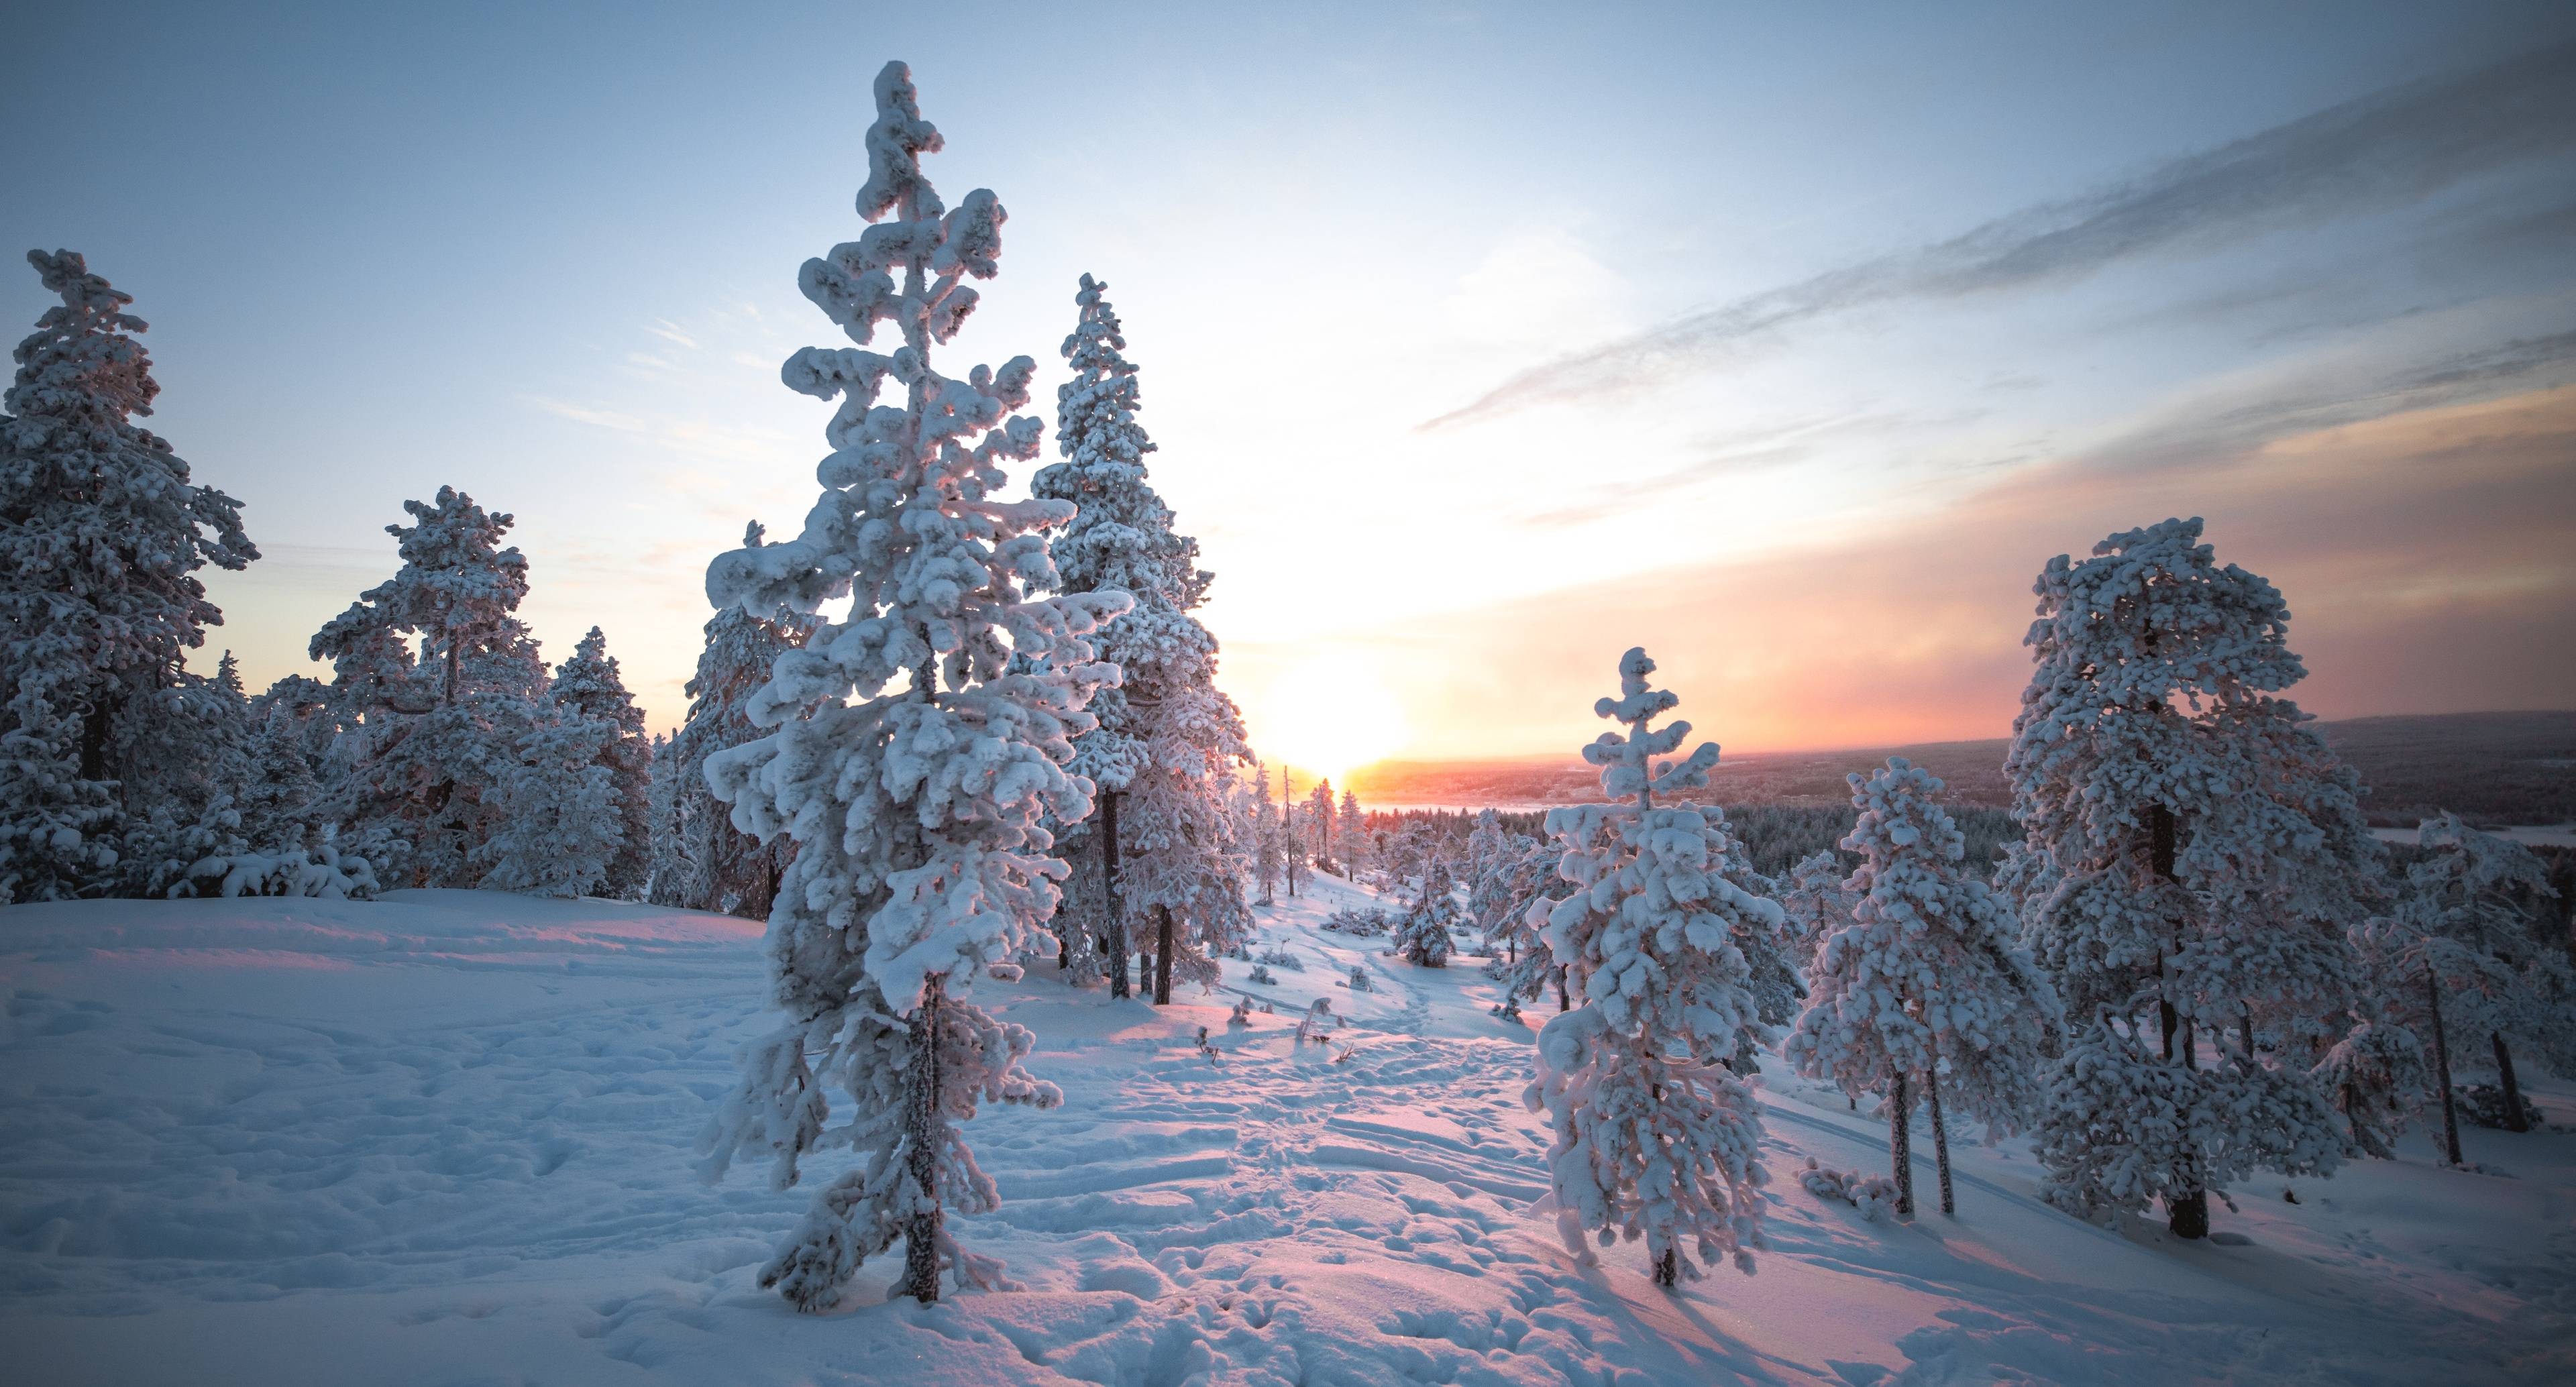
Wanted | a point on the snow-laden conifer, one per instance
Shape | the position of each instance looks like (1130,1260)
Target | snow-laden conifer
(1167,737)
(1351,837)
(2471,956)
(1265,834)
(589,686)
(1655,1136)
(919,749)
(434,682)
(701,860)
(1919,993)
(2192,827)
(575,796)
(101,537)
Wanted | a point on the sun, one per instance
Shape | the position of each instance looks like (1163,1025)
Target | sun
(1326,717)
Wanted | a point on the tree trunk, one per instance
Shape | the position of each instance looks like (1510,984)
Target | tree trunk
(2187,1210)
(1162,955)
(1563,1003)
(1900,1140)
(1668,1269)
(924,1132)
(2516,1117)
(1940,1143)
(2245,1032)
(94,737)
(1115,933)
(2442,1062)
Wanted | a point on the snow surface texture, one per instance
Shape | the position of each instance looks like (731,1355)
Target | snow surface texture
(444,1138)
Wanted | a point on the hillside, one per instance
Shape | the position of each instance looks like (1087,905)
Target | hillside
(446,1138)
(2497,768)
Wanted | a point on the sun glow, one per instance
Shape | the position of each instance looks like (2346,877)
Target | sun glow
(1327,717)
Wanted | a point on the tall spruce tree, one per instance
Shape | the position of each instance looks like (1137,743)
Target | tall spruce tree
(1919,992)
(589,685)
(2192,828)
(1655,1136)
(434,682)
(1167,735)
(701,860)
(920,746)
(1352,837)
(101,537)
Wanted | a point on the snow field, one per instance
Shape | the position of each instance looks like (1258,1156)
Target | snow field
(446,1138)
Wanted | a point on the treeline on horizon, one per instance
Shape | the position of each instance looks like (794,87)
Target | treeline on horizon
(2495,769)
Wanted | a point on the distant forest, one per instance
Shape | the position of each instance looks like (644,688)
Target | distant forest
(2497,769)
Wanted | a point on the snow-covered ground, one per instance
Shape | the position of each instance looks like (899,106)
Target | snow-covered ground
(446,1138)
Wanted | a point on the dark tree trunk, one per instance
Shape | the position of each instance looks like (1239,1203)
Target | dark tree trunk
(1114,933)
(2442,1063)
(1668,1268)
(2187,1209)
(94,737)
(1162,955)
(924,1126)
(1563,1003)
(1900,1141)
(2245,1033)
(1940,1142)
(2516,1117)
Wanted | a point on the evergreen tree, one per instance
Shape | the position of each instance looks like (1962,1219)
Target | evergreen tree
(919,749)
(563,819)
(1265,834)
(1319,825)
(1353,837)
(1167,737)
(1655,1136)
(2470,951)
(1920,992)
(2172,792)
(1292,840)
(1421,933)
(589,686)
(702,861)
(101,537)
(430,733)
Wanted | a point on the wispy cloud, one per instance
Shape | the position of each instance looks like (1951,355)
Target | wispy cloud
(2386,149)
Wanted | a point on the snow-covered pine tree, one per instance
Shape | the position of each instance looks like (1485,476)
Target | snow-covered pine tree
(563,819)
(429,735)
(1168,737)
(1920,991)
(702,861)
(1265,834)
(1319,825)
(1352,837)
(591,685)
(2469,952)
(1292,838)
(1421,933)
(2169,788)
(1815,906)
(101,537)
(1655,1136)
(919,751)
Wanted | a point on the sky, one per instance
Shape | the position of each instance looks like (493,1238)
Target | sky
(1480,342)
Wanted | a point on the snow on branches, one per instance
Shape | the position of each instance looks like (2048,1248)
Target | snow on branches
(1655,1136)
(920,744)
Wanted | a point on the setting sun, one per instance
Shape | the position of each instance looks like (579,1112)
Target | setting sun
(1327,716)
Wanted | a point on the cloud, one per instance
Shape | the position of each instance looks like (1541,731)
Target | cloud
(2424,554)
(2387,149)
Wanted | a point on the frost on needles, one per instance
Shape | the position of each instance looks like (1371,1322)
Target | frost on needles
(920,746)
(1656,1136)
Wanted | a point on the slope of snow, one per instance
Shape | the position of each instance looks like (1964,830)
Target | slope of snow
(445,1138)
